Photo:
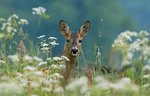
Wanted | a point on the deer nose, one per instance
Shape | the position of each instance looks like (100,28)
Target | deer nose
(74,51)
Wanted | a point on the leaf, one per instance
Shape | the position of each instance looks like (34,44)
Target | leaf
(45,16)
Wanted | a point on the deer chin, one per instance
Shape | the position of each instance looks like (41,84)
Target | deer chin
(74,54)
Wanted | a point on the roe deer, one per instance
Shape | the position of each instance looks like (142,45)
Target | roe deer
(72,44)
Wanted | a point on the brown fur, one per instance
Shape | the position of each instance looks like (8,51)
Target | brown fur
(73,41)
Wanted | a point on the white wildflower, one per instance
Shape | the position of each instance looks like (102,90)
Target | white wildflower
(53,81)
(124,84)
(46,89)
(4,78)
(14,16)
(34,75)
(54,43)
(121,85)
(45,48)
(136,45)
(10,87)
(146,68)
(10,29)
(2,35)
(146,51)
(57,58)
(124,36)
(146,76)
(29,68)
(19,74)
(62,66)
(99,79)
(38,11)
(14,58)
(81,83)
(125,62)
(34,84)
(39,73)
(2,61)
(65,58)
(143,32)
(37,59)
(146,85)
(44,44)
(28,58)
(23,21)
(57,75)
(103,85)
(52,38)
(40,37)
(49,59)
(59,89)
(4,25)
(44,81)
(2,19)
(34,95)
(42,63)
(54,66)
(23,82)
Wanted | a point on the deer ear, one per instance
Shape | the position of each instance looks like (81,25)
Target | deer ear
(64,28)
(84,29)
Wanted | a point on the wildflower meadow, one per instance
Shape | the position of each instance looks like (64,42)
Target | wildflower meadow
(28,69)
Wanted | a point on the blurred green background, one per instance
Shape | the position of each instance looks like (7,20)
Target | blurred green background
(108,18)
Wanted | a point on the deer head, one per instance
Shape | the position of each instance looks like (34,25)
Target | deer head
(73,39)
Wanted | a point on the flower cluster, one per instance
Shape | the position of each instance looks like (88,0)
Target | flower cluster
(45,47)
(57,64)
(38,10)
(100,86)
(133,47)
(10,26)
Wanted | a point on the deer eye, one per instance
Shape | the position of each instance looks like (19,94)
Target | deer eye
(68,40)
(80,41)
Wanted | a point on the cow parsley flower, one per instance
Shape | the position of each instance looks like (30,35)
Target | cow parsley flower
(2,35)
(57,58)
(29,68)
(143,32)
(10,87)
(37,59)
(28,58)
(46,89)
(44,44)
(2,19)
(65,58)
(38,10)
(14,58)
(57,75)
(124,36)
(23,21)
(81,83)
(40,37)
(2,61)
(14,16)
(42,63)
(54,43)
(52,38)
(34,84)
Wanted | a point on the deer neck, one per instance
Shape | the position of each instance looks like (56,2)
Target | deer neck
(69,64)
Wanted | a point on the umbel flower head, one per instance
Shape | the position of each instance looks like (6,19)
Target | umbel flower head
(38,10)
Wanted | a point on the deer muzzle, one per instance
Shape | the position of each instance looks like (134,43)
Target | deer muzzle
(74,51)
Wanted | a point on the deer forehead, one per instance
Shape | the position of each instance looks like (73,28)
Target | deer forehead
(74,36)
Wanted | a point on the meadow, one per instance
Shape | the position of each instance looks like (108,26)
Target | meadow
(29,70)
